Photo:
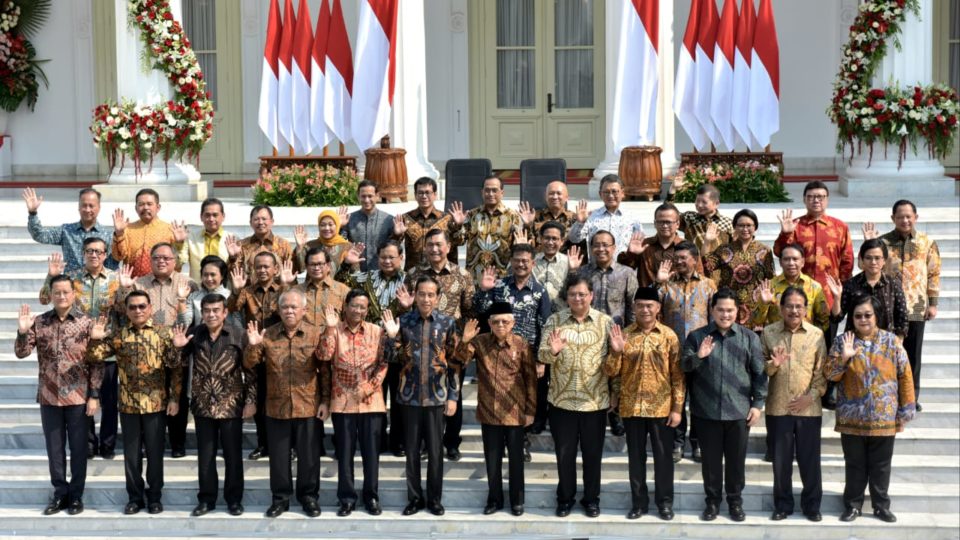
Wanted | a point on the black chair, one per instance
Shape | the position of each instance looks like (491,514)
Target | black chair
(535,174)
(464,182)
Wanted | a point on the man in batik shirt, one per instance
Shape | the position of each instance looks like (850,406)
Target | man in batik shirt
(412,228)
(488,231)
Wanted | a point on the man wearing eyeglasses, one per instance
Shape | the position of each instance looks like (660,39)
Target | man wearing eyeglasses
(95,288)
(488,231)
(609,218)
(646,254)
(70,236)
(412,228)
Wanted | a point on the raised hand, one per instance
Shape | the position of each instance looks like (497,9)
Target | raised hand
(488,279)
(179,230)
(286,272)
(344,216)
(582,213)
(557,341)
(665,272)
(520,237)
(300,235)
(355,254)
(869,230)
(404,298)
(254,335)
(180,337)
(33,201)
(787,225)
(849,350)
(836,288)
(238,277)
(233,246)
(636,245)
(399,226)
(617,341)
(527,213)
(390,325)
(574,258)
(125,276)
(706,347)
(184,290)
(119,222)
(24,319)
(457,213)
(330,317)
(779,356)
(765,292)
(470,330)
(712,233)
(55,264)
(99,328)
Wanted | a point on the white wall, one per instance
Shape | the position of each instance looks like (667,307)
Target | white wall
(448,121)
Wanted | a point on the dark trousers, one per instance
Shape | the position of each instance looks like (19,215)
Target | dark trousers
(392,384)
(228,432)
(60,424)
(424,423)
(680,432)
(177,425)
(108,413)
(724,447)
(303,433)
(260,417)
(145,430)
(348,430)
(661,445)
(866,461)
(495,439)
(913,343)
(570,430)
(451,433)
(543,385)
(828,338)
(795,436)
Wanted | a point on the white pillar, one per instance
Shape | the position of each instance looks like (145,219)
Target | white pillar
(884,175)
(410,91)
(665,124)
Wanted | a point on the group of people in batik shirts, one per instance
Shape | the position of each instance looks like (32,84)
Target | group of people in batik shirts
(575,319)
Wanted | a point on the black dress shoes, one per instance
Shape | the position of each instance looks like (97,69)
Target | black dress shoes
(55,506)
(736,512)
(453,454)
(883,514)
(666,513)
(635,513)
(527,458)
(492,508)
(235,509)
(413,507)
(178,453)
(537,428)
(276,509)
(616,425)
(345,509)
(202,509)
(400,453)
(436,509)
(677,455)
(813,516)
(695,455)
(517,509)
(75,507)
(155,508)
(563,509)
(257,453)
(373,507)
(709,513)
(311,508)
(919,407)
(591,510)
(850,514)
(107,453)
(777,515)
(132,507)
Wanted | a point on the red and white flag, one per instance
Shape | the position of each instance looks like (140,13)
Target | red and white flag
(721,90)
(635,94)
(269,78)
(764,111)
(376,70)
(338,77)
(318,62)
(684,88)
(741,74)
(285,80)
(706,42)
(300,73)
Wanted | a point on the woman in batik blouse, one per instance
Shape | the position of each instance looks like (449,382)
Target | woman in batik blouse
(742,263)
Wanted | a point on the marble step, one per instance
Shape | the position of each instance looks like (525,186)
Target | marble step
(458,523)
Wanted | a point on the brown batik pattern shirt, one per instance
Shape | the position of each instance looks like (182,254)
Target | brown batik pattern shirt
(294,386)
(358,367)
(647,374)
(508,378)
(65,377)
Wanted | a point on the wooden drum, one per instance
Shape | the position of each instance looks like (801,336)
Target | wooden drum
(386,167)
(641,171)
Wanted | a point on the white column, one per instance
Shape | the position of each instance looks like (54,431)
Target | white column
(884,175)
(410,91)
(665,123)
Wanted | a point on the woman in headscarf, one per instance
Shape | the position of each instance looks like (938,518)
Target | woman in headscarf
(338,248)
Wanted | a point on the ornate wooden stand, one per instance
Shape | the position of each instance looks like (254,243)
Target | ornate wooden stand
(386,166)
(268,163)
(641,171)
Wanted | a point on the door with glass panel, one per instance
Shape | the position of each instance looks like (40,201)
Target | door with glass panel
(946,54)
(213,27)
(542,81)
